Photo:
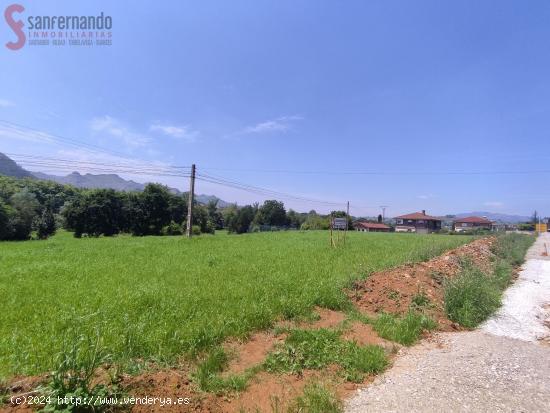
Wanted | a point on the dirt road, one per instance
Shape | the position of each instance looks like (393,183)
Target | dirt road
(504,366)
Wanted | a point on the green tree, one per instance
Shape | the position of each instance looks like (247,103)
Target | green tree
(5,226)
(295,219)
(97,212)
(156,208)
(45,224)
(26,208)
(214,215)
(272,213)
(242,220)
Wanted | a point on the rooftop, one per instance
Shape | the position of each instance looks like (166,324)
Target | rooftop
(474,220)
(418,215)
(371,225)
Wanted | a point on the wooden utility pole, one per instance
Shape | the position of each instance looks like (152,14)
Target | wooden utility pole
(190,200)
(347,222)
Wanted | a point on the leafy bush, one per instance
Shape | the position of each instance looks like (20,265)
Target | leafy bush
(405,330)
(172,229)
(45,224)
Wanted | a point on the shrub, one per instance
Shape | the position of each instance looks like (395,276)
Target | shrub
(172,229)
(45,224)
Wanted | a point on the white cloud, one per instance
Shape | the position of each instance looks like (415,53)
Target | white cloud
(425,196)
(280,124)
(494,204)
(4,103)
(117,129)
(25,134)
(176,131)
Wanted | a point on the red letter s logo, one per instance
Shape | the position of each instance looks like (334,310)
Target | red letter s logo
(16,26)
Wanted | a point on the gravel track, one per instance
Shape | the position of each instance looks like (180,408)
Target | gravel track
(474,371)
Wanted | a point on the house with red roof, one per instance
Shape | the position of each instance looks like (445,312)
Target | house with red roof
(370,227)
(472,223)
(418,222)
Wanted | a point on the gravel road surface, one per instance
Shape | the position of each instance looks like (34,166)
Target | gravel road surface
(498,368)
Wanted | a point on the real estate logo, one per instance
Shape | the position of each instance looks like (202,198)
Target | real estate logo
(16,26)
(47,30)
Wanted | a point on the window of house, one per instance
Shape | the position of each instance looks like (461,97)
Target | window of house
(400,221)
(464,224)
(420,221)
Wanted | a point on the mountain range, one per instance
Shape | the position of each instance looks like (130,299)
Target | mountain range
(92,181)
(495,216)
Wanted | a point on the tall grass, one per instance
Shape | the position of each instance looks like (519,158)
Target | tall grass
(473,296)
(157,298)
(317,398)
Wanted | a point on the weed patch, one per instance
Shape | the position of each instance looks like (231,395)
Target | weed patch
(77,364)
(316,349)
(403,330)
(207,376)
(316,399)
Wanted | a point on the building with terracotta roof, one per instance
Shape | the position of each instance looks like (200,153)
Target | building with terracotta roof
(472,223)
(418,222)
(370,227)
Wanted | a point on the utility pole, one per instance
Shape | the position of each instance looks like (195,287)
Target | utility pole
(383,212)
(347,217)
(190,200)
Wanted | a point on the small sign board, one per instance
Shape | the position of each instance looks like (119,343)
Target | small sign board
(339,223)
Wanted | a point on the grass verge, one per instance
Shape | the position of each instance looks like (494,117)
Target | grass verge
(473,296)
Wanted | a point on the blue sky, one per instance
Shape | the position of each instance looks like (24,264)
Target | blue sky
(411,90)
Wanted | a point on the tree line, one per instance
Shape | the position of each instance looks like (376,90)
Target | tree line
(36,208)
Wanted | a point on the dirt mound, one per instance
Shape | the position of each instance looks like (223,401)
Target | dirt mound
(394,290)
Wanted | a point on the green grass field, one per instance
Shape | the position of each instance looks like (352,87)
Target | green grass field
(159,298)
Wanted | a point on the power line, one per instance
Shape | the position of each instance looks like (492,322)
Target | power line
(25,159)
(66,165)
(318,172)
(262,191)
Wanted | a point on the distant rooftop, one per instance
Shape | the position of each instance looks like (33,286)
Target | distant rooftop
(418,215)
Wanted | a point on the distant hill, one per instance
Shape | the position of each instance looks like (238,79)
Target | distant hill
(495,216)
(204,199)
(100,181)
(10,168)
